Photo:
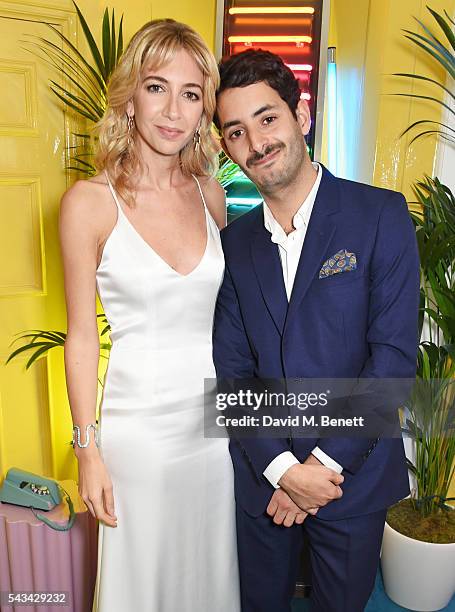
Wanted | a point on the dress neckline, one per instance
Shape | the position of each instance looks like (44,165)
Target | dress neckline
(149,246)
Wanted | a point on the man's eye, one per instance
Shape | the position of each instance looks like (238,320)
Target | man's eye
(154,87)
(268,120)
(191,95)
(235,134)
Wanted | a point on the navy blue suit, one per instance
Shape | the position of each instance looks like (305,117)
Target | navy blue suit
(361,323)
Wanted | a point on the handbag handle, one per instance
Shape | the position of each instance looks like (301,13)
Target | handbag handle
(54,525)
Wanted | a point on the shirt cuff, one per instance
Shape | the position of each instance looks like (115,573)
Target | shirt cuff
(278,466)
(326,460)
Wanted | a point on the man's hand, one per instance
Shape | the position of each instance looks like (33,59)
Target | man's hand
(284,511)
(311,485)
(312,460)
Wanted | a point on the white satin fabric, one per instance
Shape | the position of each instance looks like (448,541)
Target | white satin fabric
(174,549)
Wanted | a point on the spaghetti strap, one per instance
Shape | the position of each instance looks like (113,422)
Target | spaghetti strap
(200,191)
(112,190)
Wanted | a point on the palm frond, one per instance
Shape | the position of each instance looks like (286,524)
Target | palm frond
(444,55)
(430,98)
(96,74)
(82,82)
(444,26)
(39,342)
(92,44)
(113,55)
(438,52)
(441,134)
(422,121)
(427,79)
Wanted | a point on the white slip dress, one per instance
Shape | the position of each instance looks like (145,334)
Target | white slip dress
(174,547)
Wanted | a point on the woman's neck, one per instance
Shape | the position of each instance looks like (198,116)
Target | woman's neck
(159,172)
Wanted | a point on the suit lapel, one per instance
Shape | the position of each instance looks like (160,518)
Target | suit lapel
(319,233)
(267,266)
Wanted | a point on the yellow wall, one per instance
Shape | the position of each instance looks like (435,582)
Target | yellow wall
(200,14)
(35,419)
(370,47)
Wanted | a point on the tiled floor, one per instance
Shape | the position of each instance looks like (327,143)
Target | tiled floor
(379,602)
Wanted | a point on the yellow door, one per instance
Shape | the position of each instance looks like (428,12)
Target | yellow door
(35,424)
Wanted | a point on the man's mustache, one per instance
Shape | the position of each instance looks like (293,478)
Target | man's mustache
(258,156)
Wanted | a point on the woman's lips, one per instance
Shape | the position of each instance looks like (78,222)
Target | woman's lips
(169,133)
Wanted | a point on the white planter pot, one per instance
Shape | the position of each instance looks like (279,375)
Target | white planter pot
(417,575)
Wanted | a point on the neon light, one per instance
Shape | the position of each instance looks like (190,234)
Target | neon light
(278,48)
(300,67)
(280,20)
(243,201)
(276,10)
(332,113)
(246,39)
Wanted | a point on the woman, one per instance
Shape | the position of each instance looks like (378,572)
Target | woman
(144,232)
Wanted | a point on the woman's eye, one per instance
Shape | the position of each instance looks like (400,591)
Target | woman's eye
(191,95)
(154,87)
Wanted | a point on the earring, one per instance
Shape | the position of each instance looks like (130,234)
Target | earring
(197,140)
(130,128)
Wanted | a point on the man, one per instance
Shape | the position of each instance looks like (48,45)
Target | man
(282,312)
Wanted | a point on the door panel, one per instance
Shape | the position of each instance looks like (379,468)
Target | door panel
(35,423)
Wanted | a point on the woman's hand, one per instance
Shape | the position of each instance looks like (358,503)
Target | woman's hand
(95,486)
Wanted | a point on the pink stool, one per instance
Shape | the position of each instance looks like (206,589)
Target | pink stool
(35,557)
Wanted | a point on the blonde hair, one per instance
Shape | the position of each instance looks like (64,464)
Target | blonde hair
(155,44)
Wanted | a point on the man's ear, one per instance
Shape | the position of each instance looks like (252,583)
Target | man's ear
(223,146)
(303,116)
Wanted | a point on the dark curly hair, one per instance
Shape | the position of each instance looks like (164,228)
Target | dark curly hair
(253,66)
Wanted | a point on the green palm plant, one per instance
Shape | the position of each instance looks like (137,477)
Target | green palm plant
(435,231)
(432,402)
(38,342)
(443,53)
(431,406)
(86,98)
(84,87)
(431,425)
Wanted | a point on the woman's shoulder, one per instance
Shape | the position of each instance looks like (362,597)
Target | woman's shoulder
(84,192)
(215,198)
(89,185)
(87,200)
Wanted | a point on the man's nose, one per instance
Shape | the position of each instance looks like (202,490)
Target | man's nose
(256,141)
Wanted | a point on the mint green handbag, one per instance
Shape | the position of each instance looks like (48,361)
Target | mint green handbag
(35,492)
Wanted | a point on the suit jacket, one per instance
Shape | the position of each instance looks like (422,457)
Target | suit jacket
(359,323)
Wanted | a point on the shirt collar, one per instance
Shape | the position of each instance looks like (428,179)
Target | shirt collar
(301,217)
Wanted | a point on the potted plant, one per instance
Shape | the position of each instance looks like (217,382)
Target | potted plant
(418,550)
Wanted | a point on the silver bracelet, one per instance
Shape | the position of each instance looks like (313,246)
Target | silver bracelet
(77,429)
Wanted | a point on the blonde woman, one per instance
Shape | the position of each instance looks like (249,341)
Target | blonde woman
(144,233)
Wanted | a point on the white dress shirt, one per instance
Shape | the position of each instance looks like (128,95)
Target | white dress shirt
(290,248)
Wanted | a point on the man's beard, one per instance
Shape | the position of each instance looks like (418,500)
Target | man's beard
(259,156)
(273,179)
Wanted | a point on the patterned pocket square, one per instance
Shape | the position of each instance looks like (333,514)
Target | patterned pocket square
(343,261)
